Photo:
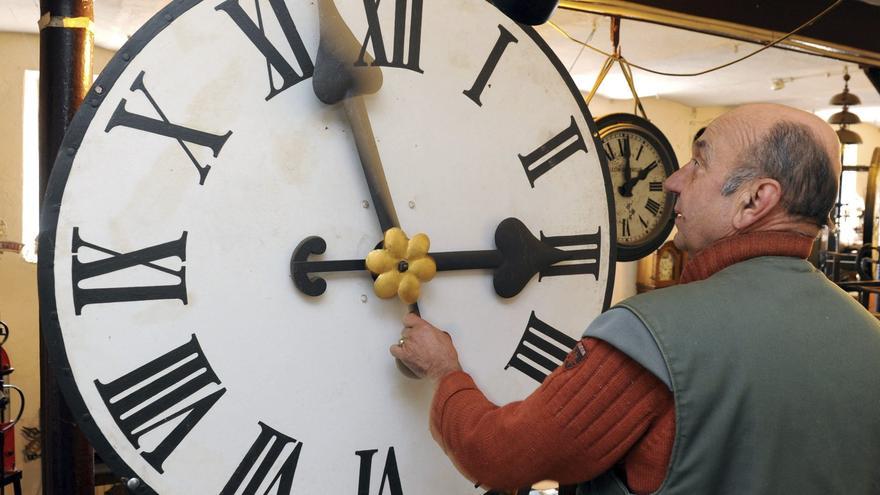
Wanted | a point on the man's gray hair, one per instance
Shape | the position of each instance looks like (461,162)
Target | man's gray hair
(791,155)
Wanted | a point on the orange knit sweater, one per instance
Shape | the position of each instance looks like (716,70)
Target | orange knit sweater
(602,411)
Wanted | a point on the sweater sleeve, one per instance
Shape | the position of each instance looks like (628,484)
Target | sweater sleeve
(581,421)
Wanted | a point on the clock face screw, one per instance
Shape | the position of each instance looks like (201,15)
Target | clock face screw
(412,205)
(99,89)
(133,483)
(364,298)
(168,17)
(71,151)
(365,204)
(126,57)
(402,266)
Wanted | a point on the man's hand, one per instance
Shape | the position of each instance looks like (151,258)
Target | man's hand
(425,349)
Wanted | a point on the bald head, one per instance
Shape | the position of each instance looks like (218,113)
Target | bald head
(795,148)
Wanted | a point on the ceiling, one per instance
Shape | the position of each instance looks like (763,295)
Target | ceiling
(808,81)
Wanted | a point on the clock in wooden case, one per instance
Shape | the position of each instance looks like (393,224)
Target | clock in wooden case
(639,159)
(202,273)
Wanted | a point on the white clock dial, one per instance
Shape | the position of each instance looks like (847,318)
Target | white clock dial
(202,158)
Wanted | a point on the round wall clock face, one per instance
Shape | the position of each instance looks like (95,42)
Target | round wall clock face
(639,158)
(202,161)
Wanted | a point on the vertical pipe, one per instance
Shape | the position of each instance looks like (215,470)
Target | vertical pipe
(65,76)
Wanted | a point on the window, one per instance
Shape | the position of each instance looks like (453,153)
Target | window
(30,152)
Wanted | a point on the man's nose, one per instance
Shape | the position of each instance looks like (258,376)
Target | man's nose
(673,182)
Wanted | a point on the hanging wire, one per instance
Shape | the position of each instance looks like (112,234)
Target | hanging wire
(691,74)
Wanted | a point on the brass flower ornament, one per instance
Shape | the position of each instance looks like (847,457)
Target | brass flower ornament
(402,265)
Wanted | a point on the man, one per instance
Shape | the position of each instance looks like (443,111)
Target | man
(754,376)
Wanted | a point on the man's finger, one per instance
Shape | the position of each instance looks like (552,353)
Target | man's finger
(411,319)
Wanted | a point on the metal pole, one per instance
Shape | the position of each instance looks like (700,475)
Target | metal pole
(66,44)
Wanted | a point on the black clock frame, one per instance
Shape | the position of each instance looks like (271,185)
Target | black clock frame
(51,333)
(638,125)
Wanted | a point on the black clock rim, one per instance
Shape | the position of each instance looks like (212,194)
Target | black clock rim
(639,125)
(51,334)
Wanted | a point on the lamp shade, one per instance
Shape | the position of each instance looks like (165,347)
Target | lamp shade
(844,117)
(845,98)
(847,136)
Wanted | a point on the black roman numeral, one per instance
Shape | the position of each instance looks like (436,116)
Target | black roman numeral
(117,261)
(545,348)
(548,160)
(609,152)
(639,153)
(274,60)
(623,144)
(164,127)
(582,260)
(374,36)
(390,473)
(652,206)
(504,39)
(643,222)
(273,444)
(159,392)
(624,227)
(655,186)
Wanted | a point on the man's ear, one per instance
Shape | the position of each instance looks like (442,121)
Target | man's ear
(763,195)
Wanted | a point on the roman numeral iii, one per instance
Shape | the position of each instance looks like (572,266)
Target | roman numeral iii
(390,473)
(256,33)
(173,385)
(583,258)
(269,447)
(118,261)
(553,152)
(164,127)
(401,49)
(541,349)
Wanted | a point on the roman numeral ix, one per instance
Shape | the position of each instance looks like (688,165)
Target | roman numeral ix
(172,385)
(118,261)
(164,127)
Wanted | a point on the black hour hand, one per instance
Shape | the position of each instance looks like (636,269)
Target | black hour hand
(519,257)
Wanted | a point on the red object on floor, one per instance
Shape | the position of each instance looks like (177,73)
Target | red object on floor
(8,447)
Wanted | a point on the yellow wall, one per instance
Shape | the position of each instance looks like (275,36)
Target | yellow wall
(18,279)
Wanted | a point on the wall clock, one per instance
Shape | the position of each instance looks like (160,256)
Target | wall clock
(639,158)
(206,157)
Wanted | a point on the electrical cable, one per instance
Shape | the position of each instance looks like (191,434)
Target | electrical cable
(692,74)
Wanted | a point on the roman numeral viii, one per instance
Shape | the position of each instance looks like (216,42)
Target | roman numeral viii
(274,60)
(164,127)
(390,473)
(374,36)
(269,448)
(178,383)
(583,258)
(541,349)
(553,152)
(118,261)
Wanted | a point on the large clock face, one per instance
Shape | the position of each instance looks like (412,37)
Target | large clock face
(201,159)
(640,159)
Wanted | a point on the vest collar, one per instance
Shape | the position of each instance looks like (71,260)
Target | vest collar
(732,250)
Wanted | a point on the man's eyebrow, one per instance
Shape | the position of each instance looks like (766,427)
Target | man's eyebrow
(702,149)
